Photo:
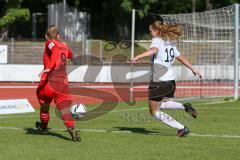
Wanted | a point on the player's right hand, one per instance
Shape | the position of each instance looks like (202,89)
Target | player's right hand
(197,73)
(44,71)
(40,74)
(134,60)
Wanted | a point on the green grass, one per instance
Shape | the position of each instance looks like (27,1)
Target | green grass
(148,139)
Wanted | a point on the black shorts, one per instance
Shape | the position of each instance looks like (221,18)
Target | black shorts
(159,90)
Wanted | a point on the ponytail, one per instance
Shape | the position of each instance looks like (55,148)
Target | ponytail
(167,31)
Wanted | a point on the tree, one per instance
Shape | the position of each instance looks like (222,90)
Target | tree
(12,16)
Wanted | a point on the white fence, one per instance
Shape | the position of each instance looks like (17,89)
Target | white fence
(29,73)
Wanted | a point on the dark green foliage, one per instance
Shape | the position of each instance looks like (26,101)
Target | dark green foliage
(13,15)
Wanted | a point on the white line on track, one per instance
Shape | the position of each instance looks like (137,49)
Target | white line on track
(119,86)
(17,87)
(128,132)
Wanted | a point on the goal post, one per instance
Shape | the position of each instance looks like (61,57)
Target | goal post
(236,58)
(132,52)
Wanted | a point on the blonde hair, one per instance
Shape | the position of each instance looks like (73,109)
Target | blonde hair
(167,31)
(52,32)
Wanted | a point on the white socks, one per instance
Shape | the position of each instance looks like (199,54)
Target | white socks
(171,105)
(168,120)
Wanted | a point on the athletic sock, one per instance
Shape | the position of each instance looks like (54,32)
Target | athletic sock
(44,117)
(168,120)
(69,124)
(63,107)
(171,105)
(68,120)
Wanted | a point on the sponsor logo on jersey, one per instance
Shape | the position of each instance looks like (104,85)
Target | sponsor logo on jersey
(50,45)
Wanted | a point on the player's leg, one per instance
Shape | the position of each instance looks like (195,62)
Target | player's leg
(44,102)
(44,118)
(63,101)
(172,105)
(167,119)
(164,117)
(169,104)
(166,102)
(66,116)
(155,100)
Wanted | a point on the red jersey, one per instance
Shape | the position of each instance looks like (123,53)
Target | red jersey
(55,58)
(46,60)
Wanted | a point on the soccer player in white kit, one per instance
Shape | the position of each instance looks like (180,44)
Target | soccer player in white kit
(161,88)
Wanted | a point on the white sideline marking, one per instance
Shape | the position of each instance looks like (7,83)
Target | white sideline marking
(5,117)
(125,110)
(216,102)
(215,136)
(9,87)
(129,132)
(75,86)
(119,86)
(139,109)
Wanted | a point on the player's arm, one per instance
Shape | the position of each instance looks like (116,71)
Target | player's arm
(150,52)
(54,57)
(40,74)
(184,61)
(70,54)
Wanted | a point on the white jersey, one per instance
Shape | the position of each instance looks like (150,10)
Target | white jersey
(167,52)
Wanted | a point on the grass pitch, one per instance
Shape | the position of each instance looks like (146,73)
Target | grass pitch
(127,133)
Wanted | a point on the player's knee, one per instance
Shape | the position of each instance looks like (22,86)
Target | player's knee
(65,104)
(165,99)
(153,107)
(44,107)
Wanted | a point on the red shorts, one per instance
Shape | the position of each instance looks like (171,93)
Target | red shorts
(48,91)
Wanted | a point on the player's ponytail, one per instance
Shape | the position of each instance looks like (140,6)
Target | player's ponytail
(167,31)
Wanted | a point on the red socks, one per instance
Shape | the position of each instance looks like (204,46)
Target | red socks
(68,120)
(44,117)
(66,116)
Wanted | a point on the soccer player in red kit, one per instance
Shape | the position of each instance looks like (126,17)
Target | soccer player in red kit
(54,83)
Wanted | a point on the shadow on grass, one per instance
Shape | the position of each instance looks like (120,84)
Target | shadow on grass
(163,132)
(34,131)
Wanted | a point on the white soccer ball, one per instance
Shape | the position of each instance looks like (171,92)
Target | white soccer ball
(78,111)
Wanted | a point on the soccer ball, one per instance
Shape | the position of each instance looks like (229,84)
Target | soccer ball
(78,111)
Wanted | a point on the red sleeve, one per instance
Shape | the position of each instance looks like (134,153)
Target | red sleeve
(45,59)
(54,57)
(51,46)
(70,54)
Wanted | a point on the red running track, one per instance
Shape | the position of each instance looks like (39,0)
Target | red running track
(94,93)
